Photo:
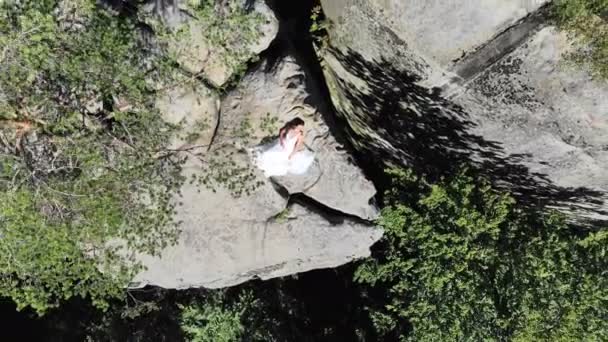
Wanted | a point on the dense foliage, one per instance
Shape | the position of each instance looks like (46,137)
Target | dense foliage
(83,172)
(461,261)
(587,20)
(230,29)
(251,312)
(210,321)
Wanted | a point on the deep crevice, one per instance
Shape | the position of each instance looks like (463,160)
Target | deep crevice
(332,215)
(295,38)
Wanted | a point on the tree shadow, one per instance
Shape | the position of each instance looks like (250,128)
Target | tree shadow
(433,136)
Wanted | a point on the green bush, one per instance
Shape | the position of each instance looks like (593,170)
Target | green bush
(460,261)
(88,176)
(584,19)
(213,319)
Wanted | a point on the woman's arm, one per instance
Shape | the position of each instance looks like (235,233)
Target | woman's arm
(282,137)
(299,144)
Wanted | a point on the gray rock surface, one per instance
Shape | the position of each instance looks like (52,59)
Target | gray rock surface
(445,30)
(282,95)
(421,86)
(228,237)
(192,107)
(226,241)
(554,115)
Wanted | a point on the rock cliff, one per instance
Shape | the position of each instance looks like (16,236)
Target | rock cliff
(437,84)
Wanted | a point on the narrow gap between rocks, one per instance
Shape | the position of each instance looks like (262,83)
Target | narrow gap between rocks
(295,38)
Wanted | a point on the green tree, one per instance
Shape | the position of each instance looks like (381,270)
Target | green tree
(85,181)
(460,261)
(215,319)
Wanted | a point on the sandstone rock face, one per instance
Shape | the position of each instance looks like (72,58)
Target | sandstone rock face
(422,87)
(445,30)
(192,49)
(195,109)
(280,96)
(554,116)
(225,241)
(247,226)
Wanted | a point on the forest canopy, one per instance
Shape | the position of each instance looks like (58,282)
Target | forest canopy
(462,261)
(83,172)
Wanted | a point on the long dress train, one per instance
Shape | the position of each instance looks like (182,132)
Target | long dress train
(274,160)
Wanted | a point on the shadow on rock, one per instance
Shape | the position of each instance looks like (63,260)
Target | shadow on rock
(396,120)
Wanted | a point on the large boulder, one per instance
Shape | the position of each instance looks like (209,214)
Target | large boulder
(422,87)
(237,225)
(552,115)
(266,100)
(226,240)
(443,31)
(216,41)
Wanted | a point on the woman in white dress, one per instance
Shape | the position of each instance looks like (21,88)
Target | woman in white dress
(286,155)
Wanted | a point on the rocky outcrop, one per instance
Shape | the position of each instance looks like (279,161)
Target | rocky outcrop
(237,225)
(552,115)
(215,41)
(419,85)
(278,96)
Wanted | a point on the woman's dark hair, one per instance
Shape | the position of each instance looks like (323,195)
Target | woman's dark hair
(293,123)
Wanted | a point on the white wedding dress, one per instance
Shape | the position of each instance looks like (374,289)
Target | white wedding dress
(274,160)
